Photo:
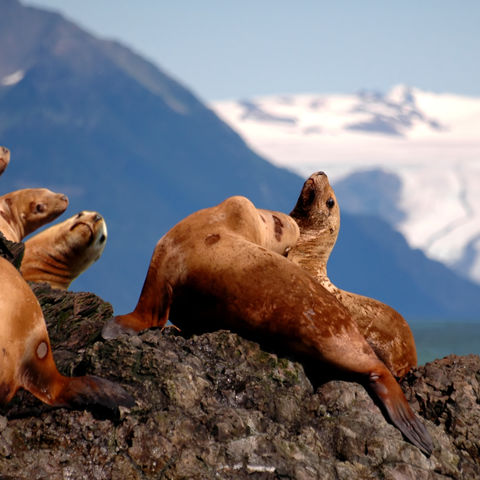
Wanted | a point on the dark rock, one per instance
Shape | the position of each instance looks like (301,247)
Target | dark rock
(12,251)
(447,392)
(218,406)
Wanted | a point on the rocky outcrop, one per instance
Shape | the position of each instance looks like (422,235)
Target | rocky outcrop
(447,392)
(12,251)
(217,406)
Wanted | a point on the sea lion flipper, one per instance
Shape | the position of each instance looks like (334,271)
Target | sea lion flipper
(390,394)
(90,390)
(151,311)
(43,380)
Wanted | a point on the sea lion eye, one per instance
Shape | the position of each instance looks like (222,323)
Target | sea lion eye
(102,238)
(330,202)
(79,214)
(40,207)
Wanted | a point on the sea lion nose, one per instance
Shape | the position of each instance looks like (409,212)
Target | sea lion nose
(97,217)
(64,198)
(320,173)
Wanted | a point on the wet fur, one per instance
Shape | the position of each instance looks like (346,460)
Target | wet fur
(384,328)
(236,282)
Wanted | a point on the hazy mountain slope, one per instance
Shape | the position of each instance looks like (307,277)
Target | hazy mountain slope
(78,122)
(372,259)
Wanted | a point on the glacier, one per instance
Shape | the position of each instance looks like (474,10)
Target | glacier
(431,141)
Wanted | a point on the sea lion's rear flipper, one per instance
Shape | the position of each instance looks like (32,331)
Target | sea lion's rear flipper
(398,410)
(88,391)
(43,380)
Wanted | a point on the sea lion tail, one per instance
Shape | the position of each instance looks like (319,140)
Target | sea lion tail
(89,391)
(398,410)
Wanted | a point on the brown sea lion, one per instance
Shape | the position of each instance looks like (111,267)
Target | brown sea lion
(26,359)
(212,271)
(60,253)
(4,158)
(23,211)
(318,216)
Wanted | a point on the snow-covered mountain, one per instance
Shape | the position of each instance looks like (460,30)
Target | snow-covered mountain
(428,142)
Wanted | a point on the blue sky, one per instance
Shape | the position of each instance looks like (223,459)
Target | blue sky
(224,49)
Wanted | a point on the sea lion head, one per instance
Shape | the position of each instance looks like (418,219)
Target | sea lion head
(317,208)
(85,236)
(59,254)
(38,206)
(4,158)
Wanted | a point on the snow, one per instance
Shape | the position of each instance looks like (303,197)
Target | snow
(13,78)
(430,140)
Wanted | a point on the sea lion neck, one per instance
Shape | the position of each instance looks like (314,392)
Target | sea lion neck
(318,217)
(316,244)
(13,218)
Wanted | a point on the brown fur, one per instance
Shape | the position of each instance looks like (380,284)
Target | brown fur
(23,211)
(26,359)
(4,158)
(62,252)
(384,328)
(236,282)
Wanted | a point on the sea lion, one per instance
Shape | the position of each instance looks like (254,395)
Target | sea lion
(26,359)
(60,253)
(23,211)
(212,271)
(277,232)
(318,216)
(4,158)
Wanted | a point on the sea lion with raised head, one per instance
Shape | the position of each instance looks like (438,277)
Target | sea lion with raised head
(23,211)
(26,359)
(212,270)
(60,253)
(4,158)
(318,216)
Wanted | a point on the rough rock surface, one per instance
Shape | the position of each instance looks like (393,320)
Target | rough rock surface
(217,406)
(12,251)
